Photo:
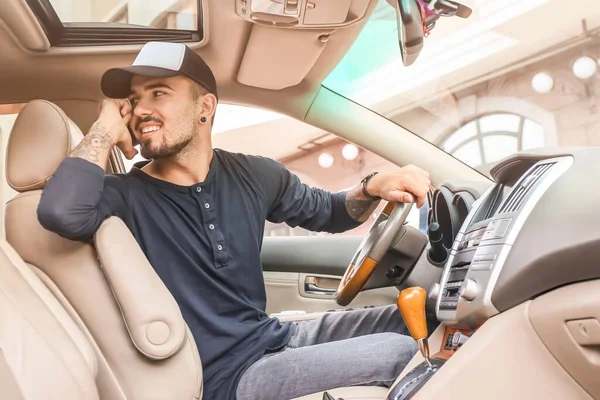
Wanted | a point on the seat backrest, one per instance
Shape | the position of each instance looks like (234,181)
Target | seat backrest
(43,354)
(144,348)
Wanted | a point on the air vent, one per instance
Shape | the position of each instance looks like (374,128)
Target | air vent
(517,196)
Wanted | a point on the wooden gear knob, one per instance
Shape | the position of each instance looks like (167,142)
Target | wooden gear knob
(411,303)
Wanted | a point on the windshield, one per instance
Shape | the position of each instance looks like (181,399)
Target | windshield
(515,75)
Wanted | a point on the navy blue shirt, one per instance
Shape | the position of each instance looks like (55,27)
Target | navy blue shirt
(204,242)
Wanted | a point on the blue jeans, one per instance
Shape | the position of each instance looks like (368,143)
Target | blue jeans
(360,347)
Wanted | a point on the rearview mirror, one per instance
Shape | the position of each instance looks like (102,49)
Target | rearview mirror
(416,19)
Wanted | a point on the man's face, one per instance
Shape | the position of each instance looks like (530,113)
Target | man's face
(165,115)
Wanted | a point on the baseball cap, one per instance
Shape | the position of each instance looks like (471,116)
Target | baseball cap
(159,60)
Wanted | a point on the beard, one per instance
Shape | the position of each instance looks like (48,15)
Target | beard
(166,148)
(174,142)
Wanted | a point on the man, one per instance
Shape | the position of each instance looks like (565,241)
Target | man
(198,214)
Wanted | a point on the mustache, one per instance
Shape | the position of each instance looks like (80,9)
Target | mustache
(147,119)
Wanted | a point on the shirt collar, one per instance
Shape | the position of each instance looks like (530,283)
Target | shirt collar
(136,170)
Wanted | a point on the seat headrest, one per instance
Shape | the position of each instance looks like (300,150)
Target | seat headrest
(41,137)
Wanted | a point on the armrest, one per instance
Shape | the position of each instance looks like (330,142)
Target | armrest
(150,312)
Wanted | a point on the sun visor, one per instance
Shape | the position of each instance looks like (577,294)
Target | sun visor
(277,58)
(289,36)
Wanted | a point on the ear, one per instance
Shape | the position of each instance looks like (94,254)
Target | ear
(208,106)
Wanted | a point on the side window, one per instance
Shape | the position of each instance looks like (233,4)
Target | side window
(130,163)
(487,139)
(318,158)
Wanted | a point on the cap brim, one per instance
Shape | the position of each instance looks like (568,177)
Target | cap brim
(116,82)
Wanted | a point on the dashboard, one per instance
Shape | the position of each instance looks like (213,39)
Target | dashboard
(508,245)
(517,294)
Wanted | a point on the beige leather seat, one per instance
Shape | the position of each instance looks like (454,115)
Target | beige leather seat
(43,354)
(144,349)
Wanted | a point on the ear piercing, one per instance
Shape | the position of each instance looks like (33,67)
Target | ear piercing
(203,119)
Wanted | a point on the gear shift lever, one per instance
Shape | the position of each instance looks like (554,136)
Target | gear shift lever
(411,303)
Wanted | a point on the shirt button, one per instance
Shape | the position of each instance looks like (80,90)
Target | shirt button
(220,247)
(198,189)
(206,205)
(211,226)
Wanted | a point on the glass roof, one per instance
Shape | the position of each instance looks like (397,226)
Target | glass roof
(74,23)
(162,14)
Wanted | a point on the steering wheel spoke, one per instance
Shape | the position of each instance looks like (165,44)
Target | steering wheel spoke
(378,240)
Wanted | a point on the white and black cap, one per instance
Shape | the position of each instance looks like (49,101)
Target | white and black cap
(159,60)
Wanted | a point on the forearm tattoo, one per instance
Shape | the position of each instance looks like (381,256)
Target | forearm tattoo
(359,207)
(95,145)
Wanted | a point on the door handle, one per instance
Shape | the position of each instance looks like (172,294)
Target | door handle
(310,287)
(314,289)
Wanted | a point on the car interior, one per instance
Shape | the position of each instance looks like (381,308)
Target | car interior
(505,266)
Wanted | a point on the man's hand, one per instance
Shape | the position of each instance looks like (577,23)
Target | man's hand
(408,184)
(115,116)
(109,129)
(401,186)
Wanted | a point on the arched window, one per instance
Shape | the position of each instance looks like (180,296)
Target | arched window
(489,138)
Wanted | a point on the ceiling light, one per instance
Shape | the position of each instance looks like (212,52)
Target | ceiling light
(350,152)
(584,67)
(542,83)
(325,160)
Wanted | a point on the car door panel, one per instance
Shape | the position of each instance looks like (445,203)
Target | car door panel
(286,295)
(328,255)
(302,274)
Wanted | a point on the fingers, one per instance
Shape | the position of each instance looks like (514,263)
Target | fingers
(122,105)
(421,177)
(418,186)
(409,192)
(127,119)
(127,149)
(129,154)
(410,184)
(126,108)
(400,196)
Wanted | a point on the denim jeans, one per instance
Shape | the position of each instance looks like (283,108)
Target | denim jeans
(360,347)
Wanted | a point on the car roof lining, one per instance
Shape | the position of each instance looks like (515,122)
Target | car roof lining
(235,49)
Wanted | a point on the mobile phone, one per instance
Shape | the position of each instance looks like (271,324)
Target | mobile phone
(133,138)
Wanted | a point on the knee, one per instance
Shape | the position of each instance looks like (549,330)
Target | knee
(398,350)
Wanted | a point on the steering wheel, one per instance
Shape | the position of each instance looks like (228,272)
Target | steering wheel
(373,247)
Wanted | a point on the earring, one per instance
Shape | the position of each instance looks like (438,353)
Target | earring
(203,119)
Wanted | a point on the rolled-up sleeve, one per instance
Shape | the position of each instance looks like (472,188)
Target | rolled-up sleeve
(298,204)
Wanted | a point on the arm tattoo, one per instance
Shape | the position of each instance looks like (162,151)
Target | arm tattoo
(359,207)
(96,142)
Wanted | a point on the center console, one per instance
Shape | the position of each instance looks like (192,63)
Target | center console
(483,243)
(464,294)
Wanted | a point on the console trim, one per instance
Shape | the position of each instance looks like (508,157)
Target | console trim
(445,315)
(472,313)
(556,171)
